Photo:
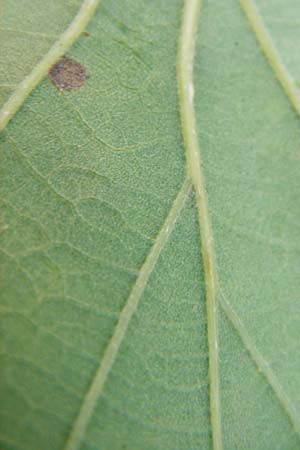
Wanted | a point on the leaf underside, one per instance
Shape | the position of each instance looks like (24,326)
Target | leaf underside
(91,182)
(26,34)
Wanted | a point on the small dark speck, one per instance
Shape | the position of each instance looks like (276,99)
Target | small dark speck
(86,34)
(68,74)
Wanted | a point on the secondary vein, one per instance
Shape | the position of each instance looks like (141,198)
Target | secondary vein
(58,49)
(97,385)
(186,53)
(273,57)
(271,53)
(262,365)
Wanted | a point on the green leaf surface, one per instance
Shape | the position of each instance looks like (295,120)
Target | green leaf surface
(26,34)
(124,323)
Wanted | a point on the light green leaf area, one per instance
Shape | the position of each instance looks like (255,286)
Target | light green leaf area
(26,34)
(282,22)
(104,319)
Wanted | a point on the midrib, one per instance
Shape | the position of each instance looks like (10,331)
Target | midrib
(189,131)
(185,68)
(58,49)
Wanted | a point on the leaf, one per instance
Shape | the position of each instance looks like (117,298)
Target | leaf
(125,324)
(26,34)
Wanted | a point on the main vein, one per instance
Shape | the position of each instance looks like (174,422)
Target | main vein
(186,91)
(271,53)
(89,402)
(58,49)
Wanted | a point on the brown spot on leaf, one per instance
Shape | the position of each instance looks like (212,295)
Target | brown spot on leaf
(68,74)
(86,34)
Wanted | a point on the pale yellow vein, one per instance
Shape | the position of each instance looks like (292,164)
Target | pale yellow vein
(186,92)
(271,53)
(58,49)
(97,385)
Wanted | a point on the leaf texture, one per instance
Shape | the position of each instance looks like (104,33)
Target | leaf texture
(104,298)
(26,34)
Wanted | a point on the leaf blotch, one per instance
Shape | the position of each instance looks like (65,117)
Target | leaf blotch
(68,74)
